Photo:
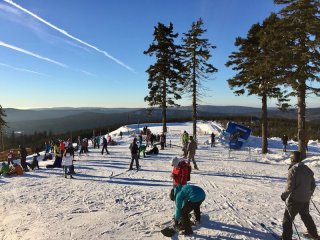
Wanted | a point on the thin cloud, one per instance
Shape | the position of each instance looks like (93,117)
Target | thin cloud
(87,73)
(69,35)
(22,69)
(32,54)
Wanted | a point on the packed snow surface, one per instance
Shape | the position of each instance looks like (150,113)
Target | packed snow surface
(105,201)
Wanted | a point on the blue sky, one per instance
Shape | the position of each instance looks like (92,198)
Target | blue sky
(84,53)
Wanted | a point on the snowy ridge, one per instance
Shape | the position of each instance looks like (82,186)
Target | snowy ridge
(105,201)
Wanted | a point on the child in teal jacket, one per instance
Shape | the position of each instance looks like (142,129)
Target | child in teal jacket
(188,198)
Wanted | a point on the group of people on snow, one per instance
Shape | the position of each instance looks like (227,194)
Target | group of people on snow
(299,189)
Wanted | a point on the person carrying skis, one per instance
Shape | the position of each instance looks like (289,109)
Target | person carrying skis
(300,187)
(134,154)
(180,172)
(191,150)
(188,198)
(284,140)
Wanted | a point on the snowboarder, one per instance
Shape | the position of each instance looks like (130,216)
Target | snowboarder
(180,172)
(213,140)
(134,154)
(187,198)
(191,150)
(284,142)
(300,187)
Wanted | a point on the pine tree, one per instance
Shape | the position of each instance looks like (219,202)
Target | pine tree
(300,54)
(257,73)
(165,76)
(2,125)
(196,53)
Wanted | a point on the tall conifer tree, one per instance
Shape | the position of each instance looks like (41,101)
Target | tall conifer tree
(257,73)
(165,76)
(196,54)
(300,54)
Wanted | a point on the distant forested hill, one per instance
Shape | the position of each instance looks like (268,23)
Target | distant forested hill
(61,120)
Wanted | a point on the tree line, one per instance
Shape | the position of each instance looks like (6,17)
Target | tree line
(279,58)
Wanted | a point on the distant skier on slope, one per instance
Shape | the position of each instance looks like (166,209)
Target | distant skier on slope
(284,140)
(188,198)
(213,140)
(300,187)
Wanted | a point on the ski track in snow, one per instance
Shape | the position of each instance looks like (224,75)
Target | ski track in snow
(105,201)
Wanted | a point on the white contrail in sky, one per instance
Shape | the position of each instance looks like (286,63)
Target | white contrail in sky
(22,69)
(69,35)
(32,54)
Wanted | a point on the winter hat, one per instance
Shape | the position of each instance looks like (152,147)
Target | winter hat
(296,156)
(175,161)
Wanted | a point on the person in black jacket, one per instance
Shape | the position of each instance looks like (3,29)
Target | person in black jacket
(300,187)
(284,142)
(23,156)
(134,149)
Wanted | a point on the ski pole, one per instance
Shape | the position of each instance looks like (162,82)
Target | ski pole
(315,206)
(292,220)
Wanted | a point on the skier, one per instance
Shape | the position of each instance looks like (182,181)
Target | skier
(187,198)
(180,172)
(213,140)
(284,142)
(191,150)
(300,187)
(104,145)
(134,154)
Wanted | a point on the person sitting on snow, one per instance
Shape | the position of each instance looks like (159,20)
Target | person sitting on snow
(154,150)
(188,198)
(16,169)
(5,169)
(180,172)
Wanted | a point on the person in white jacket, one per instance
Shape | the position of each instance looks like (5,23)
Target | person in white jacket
(67,162)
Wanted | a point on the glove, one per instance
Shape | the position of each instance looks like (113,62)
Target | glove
(283,197)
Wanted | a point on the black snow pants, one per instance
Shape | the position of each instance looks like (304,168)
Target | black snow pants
(187,208)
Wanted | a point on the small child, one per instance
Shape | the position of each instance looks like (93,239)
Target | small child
(67,163)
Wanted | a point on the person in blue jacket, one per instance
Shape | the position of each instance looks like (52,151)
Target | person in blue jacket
(187,198)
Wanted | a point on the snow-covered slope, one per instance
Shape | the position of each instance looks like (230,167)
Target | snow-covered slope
(104,201)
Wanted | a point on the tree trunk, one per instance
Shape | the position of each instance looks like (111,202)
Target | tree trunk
(194,98)
(302,135)
(164,106)
(264,125)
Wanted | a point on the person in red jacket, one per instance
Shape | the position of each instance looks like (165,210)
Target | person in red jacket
(62,148)
(180,172)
